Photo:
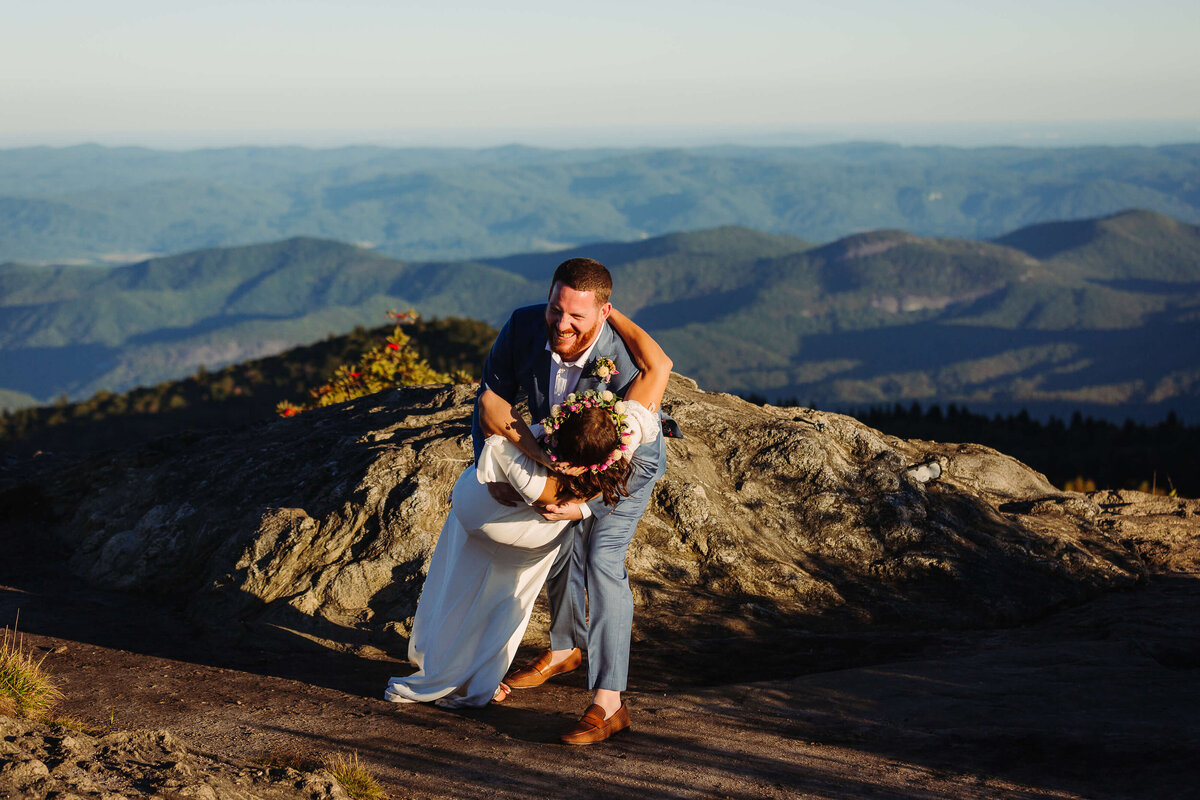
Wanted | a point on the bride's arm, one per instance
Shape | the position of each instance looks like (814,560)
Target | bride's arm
(496,417)
(655,365)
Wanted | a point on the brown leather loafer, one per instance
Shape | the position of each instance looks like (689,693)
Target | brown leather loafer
(539,670)
(593,727)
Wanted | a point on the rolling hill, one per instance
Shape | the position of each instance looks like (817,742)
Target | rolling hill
(92,202)
(1101,315)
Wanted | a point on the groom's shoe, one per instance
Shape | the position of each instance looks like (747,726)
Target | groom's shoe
(539,670)
(593,727)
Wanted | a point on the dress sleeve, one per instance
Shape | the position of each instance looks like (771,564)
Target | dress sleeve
(644,425)
(503,462)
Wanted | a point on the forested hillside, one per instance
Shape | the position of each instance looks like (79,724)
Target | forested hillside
(236,395)
(1101,316)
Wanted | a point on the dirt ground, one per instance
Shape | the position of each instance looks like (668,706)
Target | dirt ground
(1098,701)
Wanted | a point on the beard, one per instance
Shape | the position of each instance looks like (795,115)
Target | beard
(573,346)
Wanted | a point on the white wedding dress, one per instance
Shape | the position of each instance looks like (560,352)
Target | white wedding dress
(486,572)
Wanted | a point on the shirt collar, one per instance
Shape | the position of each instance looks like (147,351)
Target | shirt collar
(583,358)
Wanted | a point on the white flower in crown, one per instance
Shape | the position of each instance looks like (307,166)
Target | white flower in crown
(607,396)
(619,407)
(554,410)
(602,368)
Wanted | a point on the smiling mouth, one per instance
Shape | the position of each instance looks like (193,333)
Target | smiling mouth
(564,344)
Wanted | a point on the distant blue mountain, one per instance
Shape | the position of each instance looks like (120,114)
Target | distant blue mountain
(91,202)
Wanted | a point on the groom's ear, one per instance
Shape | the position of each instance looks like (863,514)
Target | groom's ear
(605,310)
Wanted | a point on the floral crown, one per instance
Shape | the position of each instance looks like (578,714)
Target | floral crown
(574,404)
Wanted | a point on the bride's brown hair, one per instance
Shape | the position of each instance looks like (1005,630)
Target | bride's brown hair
(589,437)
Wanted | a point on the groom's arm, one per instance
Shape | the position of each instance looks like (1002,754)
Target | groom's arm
(500,383)
(499,376)
(496,417)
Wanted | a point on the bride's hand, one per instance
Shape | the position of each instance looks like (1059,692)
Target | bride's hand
(567,468)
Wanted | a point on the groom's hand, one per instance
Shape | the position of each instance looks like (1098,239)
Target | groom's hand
(504,493)
(556,512)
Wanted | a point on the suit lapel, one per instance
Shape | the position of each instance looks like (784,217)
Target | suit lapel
(586,383)
(603,349)
(538,369)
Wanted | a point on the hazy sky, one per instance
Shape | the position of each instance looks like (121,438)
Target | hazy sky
(313,71)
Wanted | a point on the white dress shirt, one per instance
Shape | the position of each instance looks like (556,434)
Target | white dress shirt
(565,375)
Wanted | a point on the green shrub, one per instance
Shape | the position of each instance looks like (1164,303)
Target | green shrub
(394,362)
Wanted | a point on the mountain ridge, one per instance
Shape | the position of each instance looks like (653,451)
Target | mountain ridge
(739,310)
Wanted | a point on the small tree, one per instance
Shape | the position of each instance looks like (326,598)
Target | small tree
(395,362)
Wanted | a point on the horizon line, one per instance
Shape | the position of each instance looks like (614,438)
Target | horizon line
(1030,133)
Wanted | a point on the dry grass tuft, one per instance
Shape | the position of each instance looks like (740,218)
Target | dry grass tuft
(288,758)
(75,724)
(354,777)
(24,685)
(358,782)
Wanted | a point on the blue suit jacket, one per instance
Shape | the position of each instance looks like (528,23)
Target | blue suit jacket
(519,364)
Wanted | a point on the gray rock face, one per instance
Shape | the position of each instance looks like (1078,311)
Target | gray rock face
(322,525)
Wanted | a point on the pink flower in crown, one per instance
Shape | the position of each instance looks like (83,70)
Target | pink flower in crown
(603,369)
(573,404)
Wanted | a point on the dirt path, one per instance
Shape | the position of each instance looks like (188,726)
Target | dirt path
(1100,701)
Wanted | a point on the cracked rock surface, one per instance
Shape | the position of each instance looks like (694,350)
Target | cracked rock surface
(322,525)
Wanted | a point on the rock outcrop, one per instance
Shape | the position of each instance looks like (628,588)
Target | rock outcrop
(38,760)
(322,525)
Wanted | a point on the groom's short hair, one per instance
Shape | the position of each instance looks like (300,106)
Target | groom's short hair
(585,275)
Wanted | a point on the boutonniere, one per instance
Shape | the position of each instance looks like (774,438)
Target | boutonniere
(603,369)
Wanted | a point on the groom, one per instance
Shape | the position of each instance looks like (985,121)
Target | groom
(546,352)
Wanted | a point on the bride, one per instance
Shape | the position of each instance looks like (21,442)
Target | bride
(491,560)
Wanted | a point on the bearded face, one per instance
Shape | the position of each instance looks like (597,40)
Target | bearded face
(573,320)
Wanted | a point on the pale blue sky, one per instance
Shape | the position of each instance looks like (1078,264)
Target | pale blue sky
(319,72)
